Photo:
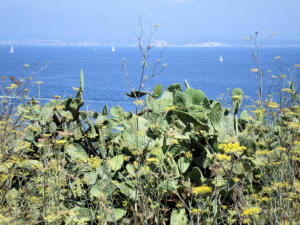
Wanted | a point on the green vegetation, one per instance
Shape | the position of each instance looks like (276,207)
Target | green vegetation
(181,159)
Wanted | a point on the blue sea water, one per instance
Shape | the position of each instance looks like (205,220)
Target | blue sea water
(104,77)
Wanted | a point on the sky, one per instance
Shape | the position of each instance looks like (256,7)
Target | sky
(183,21)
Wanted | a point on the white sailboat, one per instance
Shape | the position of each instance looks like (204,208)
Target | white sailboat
(113,49)
(12,50)
(221,59)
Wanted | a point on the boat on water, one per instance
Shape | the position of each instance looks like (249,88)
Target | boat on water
(12,50)
(113,49)
(221,59)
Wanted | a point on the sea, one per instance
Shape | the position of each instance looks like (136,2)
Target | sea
(108,75)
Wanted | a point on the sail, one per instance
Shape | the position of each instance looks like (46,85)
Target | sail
(113,49)
(12,50)
(221,59)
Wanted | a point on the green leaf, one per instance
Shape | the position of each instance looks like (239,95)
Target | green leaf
(184,164)
(116,162)
(118,112)
(115,214)
(196,176)
(90,178)
(178,217)
(216,114)
(157,91)
(76,152)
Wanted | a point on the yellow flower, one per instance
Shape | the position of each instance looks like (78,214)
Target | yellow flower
(251,211)
(188,155)
(39,82)
(232,148)
(283,76)
(95,161)
(263,152)
(297,143)
(296,65)
(59,142)
(75,88)
(204,189)
(138,102)
(26,65)
(124,203)
(281,149)
(170,108)
(254,70)
(277,57)
(154,161)
(273,105)
(223,157)
(194,211)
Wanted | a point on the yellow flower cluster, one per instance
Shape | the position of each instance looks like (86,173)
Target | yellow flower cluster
(154,161)
(273,105)
(251,211)
(188,155)
(223,157)
(263,152)
(204,189)
(95,161)
(232,148)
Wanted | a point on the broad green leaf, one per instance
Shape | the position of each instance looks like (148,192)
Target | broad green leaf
(115,163)
(76,152)
(178,217)
(157,91)
(115,214)
(184,164)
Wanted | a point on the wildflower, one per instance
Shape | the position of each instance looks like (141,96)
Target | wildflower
(282,76)
(273,105)
(154,161)
(138,102)
(75,88)
(296,65)
(224,207)
(279,185)
(194,211)
(39,82)
(26,65)
(60,142)
(188,155)
(124,203)
(297,143)
(277,57)
(236,179)
(95,161)
(223,157)
(281,149)
(170,108)
(263,152)
(251,211)
(232,148)
(204,189)
(254,70)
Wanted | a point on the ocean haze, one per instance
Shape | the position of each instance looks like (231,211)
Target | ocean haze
(183,21)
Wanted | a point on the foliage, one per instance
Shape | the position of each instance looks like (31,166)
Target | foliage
(181,159)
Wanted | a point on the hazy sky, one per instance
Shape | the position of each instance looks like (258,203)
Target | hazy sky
(118,19)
